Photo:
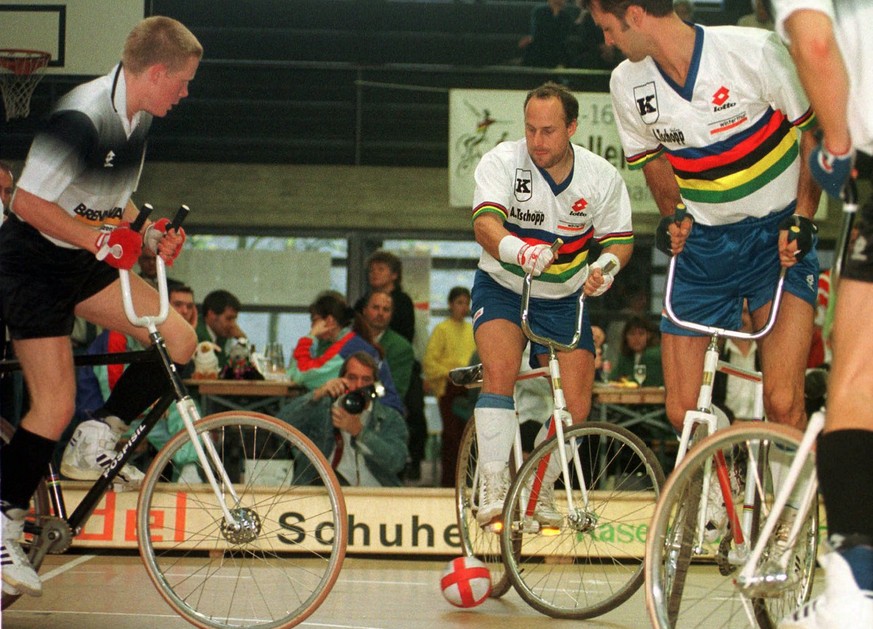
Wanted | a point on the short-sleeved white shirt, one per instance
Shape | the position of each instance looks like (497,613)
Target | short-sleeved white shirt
(89,157)
(729,132)
(592,204)
(851,19)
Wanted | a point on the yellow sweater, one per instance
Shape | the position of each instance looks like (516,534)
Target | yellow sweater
(450,346)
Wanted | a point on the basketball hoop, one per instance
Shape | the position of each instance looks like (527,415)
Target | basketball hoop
(20,71)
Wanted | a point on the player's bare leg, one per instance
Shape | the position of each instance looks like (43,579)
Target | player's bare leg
(784,354)
(682,360)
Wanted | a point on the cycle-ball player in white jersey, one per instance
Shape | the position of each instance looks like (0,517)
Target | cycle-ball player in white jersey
(712,116)
(529,193)
(830,43)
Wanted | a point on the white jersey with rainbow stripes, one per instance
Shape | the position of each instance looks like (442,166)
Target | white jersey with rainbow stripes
(730,132)
(592,204)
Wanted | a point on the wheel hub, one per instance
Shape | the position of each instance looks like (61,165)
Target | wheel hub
(245,528)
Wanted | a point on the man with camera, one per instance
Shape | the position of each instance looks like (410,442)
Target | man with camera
(364,440)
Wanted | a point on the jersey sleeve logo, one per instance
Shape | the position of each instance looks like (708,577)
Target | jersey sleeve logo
(646,99)
(523,184)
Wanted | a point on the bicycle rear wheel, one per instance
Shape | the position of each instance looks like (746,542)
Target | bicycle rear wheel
(483,544)
(278,566)
(593,561)
(691,572)
(40,510)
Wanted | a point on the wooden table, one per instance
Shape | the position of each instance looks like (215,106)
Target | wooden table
(243,395)
(618,404)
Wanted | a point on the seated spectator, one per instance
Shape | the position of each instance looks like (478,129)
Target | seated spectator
(587,47)
(397,351)
(450,346)
(218,322)
(550,25)
(367,449)
(639,346)
(337,332)
(758,18)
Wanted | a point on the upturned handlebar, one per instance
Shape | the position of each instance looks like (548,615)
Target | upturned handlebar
(525,313)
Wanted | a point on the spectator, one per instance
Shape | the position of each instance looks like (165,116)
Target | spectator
(7,180)
(366,449)
(450,346)
(599,338)
(639,347)
(337,332)
(550,26)
(400,356)
(385,273)
(218,324)
(758,18)
(586,46)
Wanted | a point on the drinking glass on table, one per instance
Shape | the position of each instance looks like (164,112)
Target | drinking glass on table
(274,359)
(640,373)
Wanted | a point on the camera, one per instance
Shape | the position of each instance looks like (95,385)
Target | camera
(355,402)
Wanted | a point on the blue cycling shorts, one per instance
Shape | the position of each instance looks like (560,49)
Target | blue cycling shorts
(552,318)
(724,264)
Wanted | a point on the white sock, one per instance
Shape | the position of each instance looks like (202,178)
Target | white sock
(495,433)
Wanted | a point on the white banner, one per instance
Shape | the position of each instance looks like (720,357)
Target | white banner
(481,119)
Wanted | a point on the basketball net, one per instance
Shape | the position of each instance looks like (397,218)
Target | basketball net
(20,71)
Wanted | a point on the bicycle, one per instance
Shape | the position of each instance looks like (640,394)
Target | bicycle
(772,546)
(607,487)
(241,549)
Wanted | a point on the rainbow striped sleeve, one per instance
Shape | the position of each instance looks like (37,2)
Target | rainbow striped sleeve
(488,206)
(635,162)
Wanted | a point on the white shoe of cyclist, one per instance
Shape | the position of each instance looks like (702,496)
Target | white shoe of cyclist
(546,511)
(843,605)
(493,486)
(190,475)
(92,450)
(18,575)
(716,513)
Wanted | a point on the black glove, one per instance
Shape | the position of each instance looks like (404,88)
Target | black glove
(802,230)
(662,234)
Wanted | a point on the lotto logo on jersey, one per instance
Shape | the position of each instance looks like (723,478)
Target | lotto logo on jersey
(523,184)
(646,99)
(720,99)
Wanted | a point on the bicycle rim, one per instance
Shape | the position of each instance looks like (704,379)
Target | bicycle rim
(593,562)
(274,570)
(40,509)
(690,576)
(483,544)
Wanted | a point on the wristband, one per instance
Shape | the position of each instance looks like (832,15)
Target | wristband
(510,249)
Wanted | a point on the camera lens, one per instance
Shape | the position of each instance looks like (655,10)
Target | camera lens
(354,402)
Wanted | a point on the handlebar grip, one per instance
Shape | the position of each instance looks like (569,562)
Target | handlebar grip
(179,218)
(556,245)
(680,213)
(140,219)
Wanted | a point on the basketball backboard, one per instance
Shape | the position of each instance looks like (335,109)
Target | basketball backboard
(84,37)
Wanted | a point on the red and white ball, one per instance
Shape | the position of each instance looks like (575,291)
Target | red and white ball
(466,582)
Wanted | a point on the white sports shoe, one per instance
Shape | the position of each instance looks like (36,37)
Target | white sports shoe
(546,511)
(18,575)
(843,605)
(492,492)
(92,450)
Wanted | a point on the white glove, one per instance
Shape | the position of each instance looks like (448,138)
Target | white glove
(608,263)
(533,259)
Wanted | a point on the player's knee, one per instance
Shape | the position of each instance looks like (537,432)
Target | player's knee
(784,406)
(182,345)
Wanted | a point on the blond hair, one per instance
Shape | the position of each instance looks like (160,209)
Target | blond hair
(159,40)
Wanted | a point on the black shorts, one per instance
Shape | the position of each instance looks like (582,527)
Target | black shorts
(859,259)
(41,283)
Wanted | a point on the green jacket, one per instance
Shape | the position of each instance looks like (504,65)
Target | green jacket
(203,335)
(651,359)
(383,442)
(400,357)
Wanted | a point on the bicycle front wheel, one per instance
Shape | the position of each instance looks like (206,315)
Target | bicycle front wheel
(275,563)
(592,562)
(694,558)
(483,544)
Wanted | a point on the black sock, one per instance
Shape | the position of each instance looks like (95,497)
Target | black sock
(23,462)
(845,476)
